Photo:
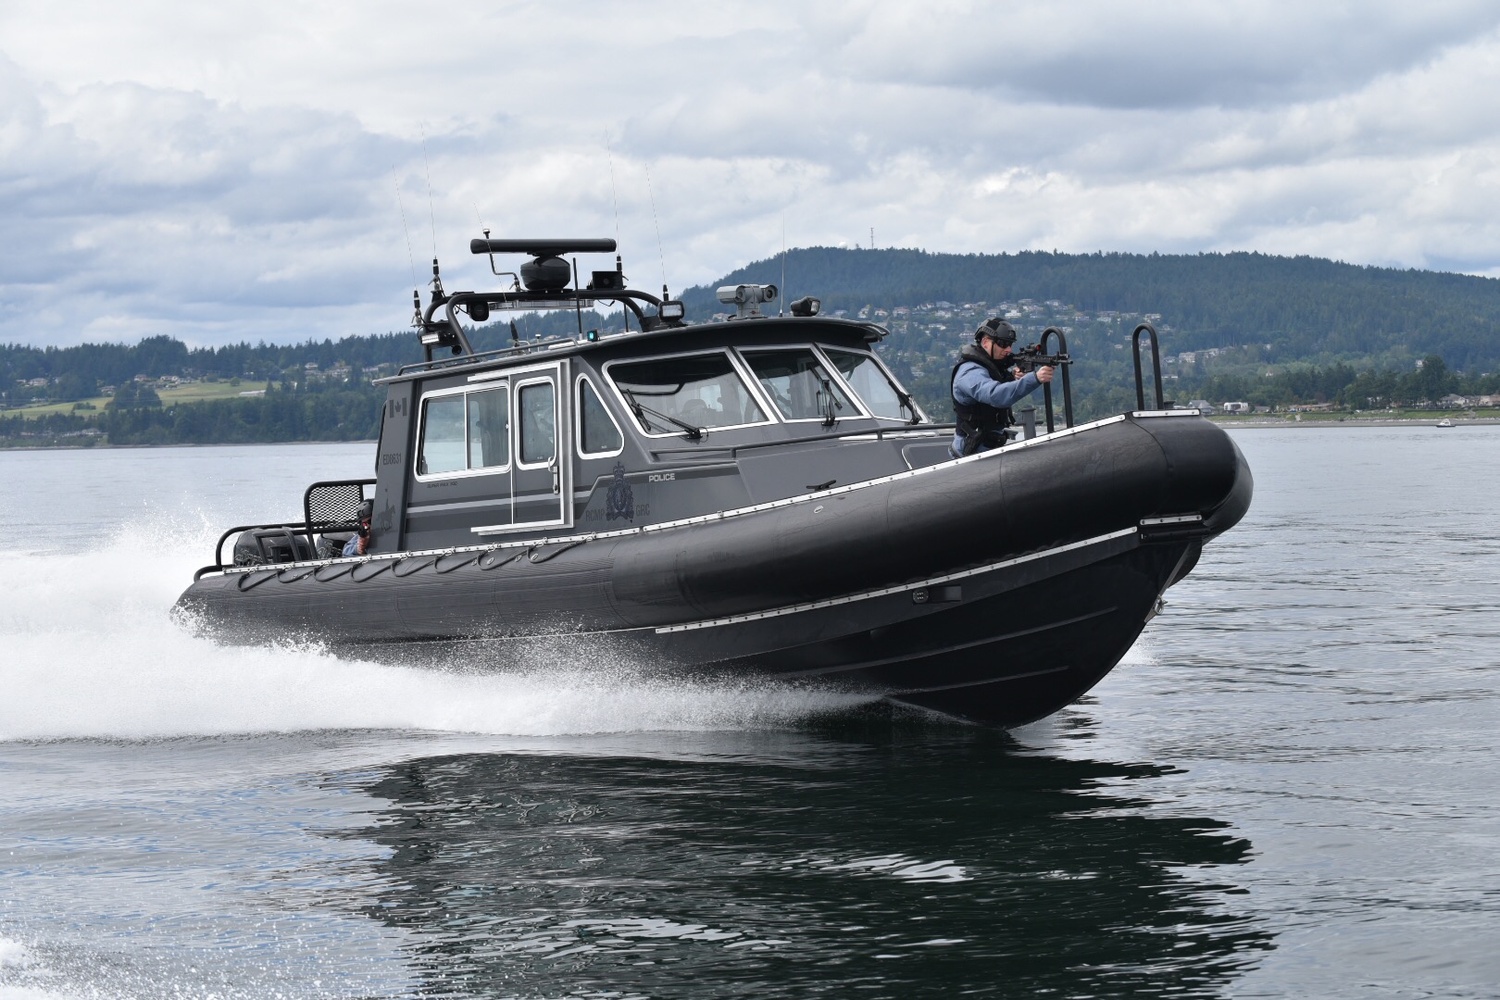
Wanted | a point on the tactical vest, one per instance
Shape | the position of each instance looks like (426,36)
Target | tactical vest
(979,424)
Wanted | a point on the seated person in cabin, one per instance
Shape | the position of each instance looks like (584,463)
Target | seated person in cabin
(360,540)
(984,391)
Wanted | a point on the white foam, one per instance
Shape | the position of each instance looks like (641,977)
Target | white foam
(92,652)
(19,970)
(20,992)
(14,955)
(1139,654)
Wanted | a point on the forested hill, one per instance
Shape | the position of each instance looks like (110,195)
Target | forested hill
(1269,331)
(1305,307)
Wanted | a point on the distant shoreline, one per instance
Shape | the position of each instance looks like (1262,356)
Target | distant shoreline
(1230,423)
(104,446)
(1355,422)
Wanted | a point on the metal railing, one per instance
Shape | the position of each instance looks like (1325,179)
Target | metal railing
(1067,385)
(308,526)
(878,433)
(1135,346)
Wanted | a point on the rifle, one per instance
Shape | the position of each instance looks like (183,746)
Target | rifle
(1031,358)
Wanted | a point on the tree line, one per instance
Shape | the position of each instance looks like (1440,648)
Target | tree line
(288,412)
(80,372)
(1291,330)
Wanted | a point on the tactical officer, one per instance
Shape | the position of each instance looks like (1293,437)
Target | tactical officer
(360,540)
(984,391)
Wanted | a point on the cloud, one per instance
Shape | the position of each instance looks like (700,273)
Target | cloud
(286,171)
(1160,54)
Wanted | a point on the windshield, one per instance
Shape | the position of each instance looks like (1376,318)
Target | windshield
(870,383)
(799,384)
(697,390)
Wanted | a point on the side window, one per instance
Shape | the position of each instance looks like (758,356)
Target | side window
(538,416)
(598,434)
(442,436)
(465,431)
(489,428)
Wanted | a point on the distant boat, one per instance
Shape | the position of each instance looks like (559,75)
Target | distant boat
(1445,422)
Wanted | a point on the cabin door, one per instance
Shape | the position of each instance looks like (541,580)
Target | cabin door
(541,476)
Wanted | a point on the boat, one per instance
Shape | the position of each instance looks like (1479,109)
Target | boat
(757,495)
(1445,422)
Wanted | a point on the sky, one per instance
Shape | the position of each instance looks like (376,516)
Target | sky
(281,171)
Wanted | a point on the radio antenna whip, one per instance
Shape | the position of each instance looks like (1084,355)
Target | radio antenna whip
(431,212)
(780,309)
(657,222)
(613,194)
(411,258)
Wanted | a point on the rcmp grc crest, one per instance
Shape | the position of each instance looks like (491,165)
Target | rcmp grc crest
(620,501)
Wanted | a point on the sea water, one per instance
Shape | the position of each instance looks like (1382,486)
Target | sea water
(1285,790)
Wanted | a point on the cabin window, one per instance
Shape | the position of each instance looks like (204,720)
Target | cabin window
(870,383)
(670,395)
(538,416)
(489,428)
(442,436)
(800,384)
(598,434)
(463,431)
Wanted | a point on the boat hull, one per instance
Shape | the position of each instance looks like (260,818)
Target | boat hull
(997,588)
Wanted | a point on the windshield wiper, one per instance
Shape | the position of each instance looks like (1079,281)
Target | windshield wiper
(640,411)
(907,403)
(828,394)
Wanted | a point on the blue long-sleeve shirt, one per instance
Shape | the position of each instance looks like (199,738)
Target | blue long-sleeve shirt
(973,385)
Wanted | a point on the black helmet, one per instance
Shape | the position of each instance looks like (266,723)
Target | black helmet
(366,510)
(996,328)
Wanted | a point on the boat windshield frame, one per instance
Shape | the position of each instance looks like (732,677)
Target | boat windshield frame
(737,365)
(890,377)
(851,397)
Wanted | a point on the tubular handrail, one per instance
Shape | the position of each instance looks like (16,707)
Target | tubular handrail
(1135,346)
(627,297)
(219,546)
(517,300)
(491,355)
(307,526)
(879,433)
(1067,386)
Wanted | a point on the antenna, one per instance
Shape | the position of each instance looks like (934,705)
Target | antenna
(410,257)
(613,194)
(660,253)
(872,237)
(779,310)
(577,302)
(431,213)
